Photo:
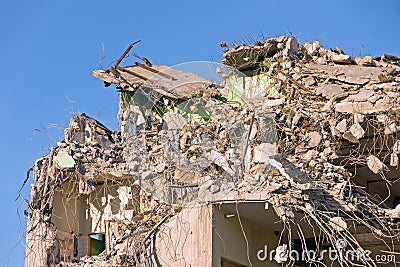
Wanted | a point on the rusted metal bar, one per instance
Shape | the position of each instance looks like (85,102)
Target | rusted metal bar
(25,181)
(294,81)
(154,70)
(131,72)
(126,52)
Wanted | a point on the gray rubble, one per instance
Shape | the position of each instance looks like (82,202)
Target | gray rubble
(297,145)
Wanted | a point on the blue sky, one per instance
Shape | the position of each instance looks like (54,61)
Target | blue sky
(49,48)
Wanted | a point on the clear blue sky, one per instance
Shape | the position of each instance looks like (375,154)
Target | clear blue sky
(49,48)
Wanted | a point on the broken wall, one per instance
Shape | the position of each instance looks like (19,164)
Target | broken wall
(79,187)
(186,240)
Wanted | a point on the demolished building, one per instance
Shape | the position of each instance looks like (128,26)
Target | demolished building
(294,150)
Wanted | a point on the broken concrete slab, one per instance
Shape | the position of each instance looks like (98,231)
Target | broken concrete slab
(309,81)
(338,224)
(383,104)
(350,137)
(341,59)
(292,46)
(275,102)
(220,160)
(357,131)
(312,49)
(330,90)
(366,61)
(244,57)
(342,126)
(263,151)
(362,95)
(290,171)
(375,164)
(64,160)
(354,107)
(312,139)
(351,74)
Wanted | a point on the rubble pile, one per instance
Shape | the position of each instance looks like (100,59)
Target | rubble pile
(90,154)
(325,104)
(89,150)
(330,103)
(297,141)
(88,147)
(186,156)
(133,241)
(332,114)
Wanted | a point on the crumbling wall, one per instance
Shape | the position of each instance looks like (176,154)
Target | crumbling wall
(186,239)
(292,131)
(79,185)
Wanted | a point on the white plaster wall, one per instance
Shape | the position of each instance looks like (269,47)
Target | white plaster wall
(67,209)
(228,239)
(36,244)
(186,240)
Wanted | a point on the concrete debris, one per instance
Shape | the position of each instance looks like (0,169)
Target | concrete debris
(374,164)
(302,146)
(348,135)
(355,107)
(342,126)
(366,61)
(309,81)
(338,224)
(64,161)
(357,131)
(174,121)
(394,160)
(313,49)
(312,139)
(341,59)
(394,213)
(391,128)
(396,147)
(275,102)
(219,159)
(362,95)
(292,47)
(330,90)
(263,151)
(358,118)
